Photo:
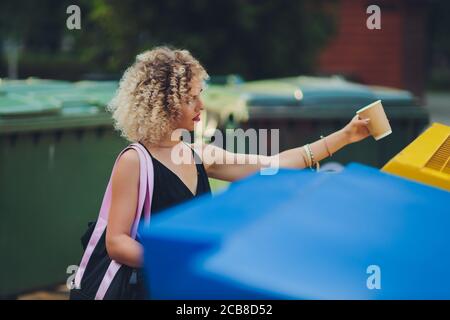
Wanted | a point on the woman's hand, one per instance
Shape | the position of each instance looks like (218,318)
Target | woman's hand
(356,130)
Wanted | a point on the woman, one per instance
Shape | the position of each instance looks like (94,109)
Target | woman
(159,93)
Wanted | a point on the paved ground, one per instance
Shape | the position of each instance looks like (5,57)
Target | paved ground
(58,293)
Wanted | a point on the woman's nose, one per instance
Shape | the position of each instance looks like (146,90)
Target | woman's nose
(200,106)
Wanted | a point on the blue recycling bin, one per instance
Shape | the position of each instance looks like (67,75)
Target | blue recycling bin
(356,234)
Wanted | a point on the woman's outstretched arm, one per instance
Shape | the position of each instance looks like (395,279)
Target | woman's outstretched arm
(125,187)
(224,165)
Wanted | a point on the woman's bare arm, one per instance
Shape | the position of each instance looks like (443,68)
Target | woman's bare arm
(224,165)
(125,187)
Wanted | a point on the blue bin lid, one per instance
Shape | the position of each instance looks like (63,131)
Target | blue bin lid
(308,236)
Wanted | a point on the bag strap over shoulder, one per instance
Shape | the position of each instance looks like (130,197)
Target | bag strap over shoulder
(146,183)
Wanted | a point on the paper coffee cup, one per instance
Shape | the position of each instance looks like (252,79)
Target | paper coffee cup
(378,126)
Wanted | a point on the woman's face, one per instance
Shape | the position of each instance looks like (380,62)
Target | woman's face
(191,109)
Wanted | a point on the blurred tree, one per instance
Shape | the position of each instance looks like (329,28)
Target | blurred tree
(253,38)
(439,45)
(33,23)
(38,29)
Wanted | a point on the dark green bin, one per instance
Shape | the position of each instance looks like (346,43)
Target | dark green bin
(56,156)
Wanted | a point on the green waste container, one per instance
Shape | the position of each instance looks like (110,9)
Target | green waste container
(33,85)
(56,157)
(96,92)
(229,79)
(303,108)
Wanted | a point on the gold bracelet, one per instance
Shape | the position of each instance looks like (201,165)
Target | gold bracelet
(311,154)
(309,163)
(312,158)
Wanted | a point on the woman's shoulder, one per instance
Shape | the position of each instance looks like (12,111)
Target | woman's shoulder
(127,166)
(130,157)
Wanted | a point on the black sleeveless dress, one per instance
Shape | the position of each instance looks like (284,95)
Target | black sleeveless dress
(169,190)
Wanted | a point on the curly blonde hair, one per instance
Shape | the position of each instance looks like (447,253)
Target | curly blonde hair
(147,104)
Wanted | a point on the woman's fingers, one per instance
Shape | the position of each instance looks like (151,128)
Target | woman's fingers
(364,121)
(363,125)
(361,121)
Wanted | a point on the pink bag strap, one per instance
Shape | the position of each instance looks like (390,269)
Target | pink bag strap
(114,266)
(146,183)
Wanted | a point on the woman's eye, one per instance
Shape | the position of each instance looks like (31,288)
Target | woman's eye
(192,101)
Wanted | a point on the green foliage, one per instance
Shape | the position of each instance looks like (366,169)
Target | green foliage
(256,39)
(37,24)
(439,48)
